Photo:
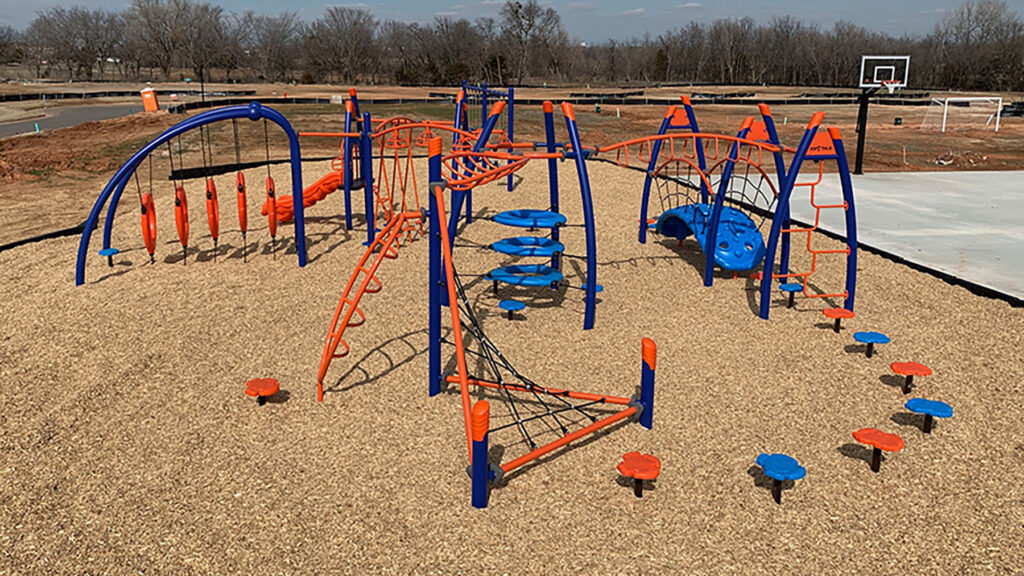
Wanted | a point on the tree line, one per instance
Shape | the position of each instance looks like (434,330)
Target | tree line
(977,46)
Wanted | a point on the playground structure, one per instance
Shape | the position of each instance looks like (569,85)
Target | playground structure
(701,192)
(725,190)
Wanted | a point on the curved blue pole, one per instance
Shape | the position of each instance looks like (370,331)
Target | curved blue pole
(780,171)
(655,153)
(366,158)
(782,208)
(347,144)
(549,134)
(112,191)
(588,215)
(851,221)
(711,234)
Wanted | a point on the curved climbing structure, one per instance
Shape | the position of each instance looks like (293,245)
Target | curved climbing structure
(363,281)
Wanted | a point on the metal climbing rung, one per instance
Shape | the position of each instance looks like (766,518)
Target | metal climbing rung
(376,285)
(340,343)
(360,318)
(391,251)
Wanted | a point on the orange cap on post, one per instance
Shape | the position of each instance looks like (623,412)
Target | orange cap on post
(497,108)
(671,111)
(434,147)
(765,110)
(833,132)
(548,107)
(650,352)
(568,111)
(352,92)
(816,120)
(685,99)
(747,123)
(350,107)
(481,420)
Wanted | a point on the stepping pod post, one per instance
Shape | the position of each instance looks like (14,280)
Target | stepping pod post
(791,289)
(780,467)
(879,441)
(262,388)
(639,467)
(870,339)
(931,409)
(837,314)
(908,370)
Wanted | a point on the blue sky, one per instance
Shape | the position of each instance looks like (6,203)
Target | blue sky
(599,20)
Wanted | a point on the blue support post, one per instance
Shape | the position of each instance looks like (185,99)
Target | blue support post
(851,218)
(346,145)
(711,234)
(366,159)
(549,133)
(780,171)
(112,191)
(511,133)
(649,351)
(655,153)
(588,215)
(479,467)
(434,233)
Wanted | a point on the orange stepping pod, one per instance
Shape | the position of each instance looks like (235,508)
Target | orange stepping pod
(837,314)
(879,441)
(639,467)
(908,370)
(262,388)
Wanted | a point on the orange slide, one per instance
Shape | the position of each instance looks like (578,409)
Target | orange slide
(315,193)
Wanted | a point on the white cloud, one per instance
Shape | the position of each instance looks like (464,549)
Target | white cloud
(689,5)
(633,12)
(492,2)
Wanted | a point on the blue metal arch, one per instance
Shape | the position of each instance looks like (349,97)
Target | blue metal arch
(114,188)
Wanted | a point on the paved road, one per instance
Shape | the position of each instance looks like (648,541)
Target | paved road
(968,224)
(66,116)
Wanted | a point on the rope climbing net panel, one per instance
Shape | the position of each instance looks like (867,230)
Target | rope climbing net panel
(537,412)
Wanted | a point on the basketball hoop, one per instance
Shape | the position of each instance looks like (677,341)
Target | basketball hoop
(890,85)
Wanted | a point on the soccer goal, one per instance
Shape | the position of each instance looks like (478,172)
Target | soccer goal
(963,113)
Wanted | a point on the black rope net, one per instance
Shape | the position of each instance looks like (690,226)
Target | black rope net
(536,411)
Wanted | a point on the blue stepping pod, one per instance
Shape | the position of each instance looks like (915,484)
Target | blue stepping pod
(931,409)
(512,306)
(792,289)
(870,338)
(109,253)
(780,467)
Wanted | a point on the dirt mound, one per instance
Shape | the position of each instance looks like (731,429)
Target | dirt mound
(91,147)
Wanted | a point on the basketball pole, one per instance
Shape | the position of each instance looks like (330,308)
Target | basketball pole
(862,127)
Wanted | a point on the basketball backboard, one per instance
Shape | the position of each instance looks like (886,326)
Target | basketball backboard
(884,71)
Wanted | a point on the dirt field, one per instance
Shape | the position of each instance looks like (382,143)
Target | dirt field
(130,447)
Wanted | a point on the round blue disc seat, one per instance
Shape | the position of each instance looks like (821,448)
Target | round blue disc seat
(530,218)
(528,246)
(530,275)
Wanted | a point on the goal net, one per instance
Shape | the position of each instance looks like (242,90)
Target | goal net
(963,113)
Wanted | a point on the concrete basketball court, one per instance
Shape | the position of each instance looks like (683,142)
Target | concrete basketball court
(966,224)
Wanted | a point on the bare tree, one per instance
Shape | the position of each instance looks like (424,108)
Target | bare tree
(8,36)
(161,26)
(342,41)
(528,25)
(275,40)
